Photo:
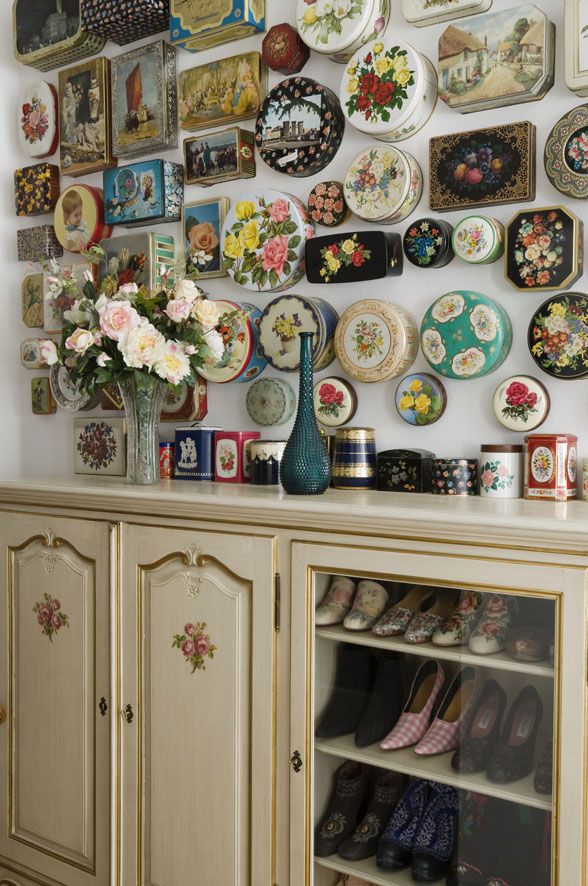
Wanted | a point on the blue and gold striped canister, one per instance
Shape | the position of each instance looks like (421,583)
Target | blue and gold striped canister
(354,459)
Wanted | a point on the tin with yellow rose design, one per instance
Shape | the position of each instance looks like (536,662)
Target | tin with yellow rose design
(202,222)
(421,399)
(36,189)
(263,240)
(338,29)
(354,257)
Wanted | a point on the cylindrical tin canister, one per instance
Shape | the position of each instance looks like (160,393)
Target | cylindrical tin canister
(354,459)
(501,471)
(166,461)
(265,457)
(383,184)
(427,243)
(478,240)
(455,476)
(284,318)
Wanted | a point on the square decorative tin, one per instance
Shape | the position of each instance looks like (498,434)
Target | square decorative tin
(431,12)
(224,91)
(145,193)
(85,118)
(544,249)
(196,26)
(186,402)
(56,301)
(100,446)
(353,257)
(49,34)
(576,46)
(202,224)
(124,21)
(144,100)
(42,401)
(231,456)
(32,301)
(137,258)
(483,167)
(405,470)
(36,243)
(36,189)
(551,467)
(215,157)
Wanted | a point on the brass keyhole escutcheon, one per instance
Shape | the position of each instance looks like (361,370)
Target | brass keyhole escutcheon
(3,715)
(128,714)
(296,761)
(102,706)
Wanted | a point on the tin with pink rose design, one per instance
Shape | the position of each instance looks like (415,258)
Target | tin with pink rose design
(501,470)
(231,456)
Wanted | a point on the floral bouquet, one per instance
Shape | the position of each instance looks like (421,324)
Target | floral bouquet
(378,84)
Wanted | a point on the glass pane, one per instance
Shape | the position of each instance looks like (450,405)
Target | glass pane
(434,729)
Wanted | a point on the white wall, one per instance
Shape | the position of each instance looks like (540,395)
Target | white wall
(43,444)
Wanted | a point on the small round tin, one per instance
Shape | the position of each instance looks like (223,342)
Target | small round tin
(354,462)
(270,401)
(383,184)
(67,393)
(38,123)
(566,154)
(427,243)
(376,340)
(281,322)
(465,335)
(501,471)
(521,403)
(335,401)
(283,51)
(544,249)
(455,476)
(263,240)
(478,240)
(420,399)
(389,90)
(327,205)
(558,336)
(265,457)
(338,29)
(238,325)
(300,127)
(79,218)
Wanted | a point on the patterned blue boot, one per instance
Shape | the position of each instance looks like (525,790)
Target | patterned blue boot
(435,840)
(395,847)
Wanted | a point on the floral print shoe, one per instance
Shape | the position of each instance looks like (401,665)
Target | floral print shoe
(490,633)
(453,716)
(396,620)
(336,603)
(348,795)
(365,838)
(424,624)
(416,716)
(370,601)
(456,630)
(395,847)
(435,841)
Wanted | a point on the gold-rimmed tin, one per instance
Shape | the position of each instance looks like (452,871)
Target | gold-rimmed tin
(354,458)
(53,45)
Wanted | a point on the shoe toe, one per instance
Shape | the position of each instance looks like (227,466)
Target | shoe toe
(391,857)
(426,868)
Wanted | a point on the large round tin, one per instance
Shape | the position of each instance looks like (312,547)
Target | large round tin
(376,340)
(339,29)
(79,218)
(270,401)
(354,462)
(284,318)
(68,394)
(242,361)
(388,90)
(335,401)
(38,123)
(300,127)
(465,335)
(521,403)
(427,243)
(558,336)
(478,240)
(420,399)
(566,153)
(383,184)
(327,205)
(263,240)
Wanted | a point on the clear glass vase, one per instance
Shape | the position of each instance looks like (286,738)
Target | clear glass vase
(143,398)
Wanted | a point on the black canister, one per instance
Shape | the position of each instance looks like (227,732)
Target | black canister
(455,476)
(265,457)
(427,243)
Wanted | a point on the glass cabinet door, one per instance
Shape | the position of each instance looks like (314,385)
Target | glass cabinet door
(433,720)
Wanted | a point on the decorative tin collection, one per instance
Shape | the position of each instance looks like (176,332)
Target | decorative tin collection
(265,457)
(38,122)
(270,401)
(32,300)
(376,340)
(544,249)
(238,324)
(138,258)
(283,50)
(85,120)
(231,456)
(145,193)
(383,184)
(281,322)
(427,243)
(551,467)
(340,33)
(194,452)
(225,91)
(431,12)
(79,218)
(503,58)
(36,189)
(215,157)
(195,28)
(124,21)
(501,470)
(455,476)
(420,399)
(38,243)
(100,446)
(465,335)
(354,459)
(335,401)
(478,240)
(353,257)
(327,205)
(521,403)
(42,402)
(566,153)
(48,37)
(405,470)
(558,336)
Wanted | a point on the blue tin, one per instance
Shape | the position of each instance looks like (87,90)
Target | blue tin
(354,463)
(194,453)
(147,193)
(196,26)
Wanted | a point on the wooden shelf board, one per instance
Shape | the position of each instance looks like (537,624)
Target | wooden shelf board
(368,871)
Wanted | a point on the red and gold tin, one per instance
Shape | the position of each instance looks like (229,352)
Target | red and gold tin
(551,467)
(231,456)
(166,461)
(283,49)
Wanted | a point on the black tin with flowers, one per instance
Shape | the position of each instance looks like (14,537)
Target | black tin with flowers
(353,257)
(405,470)
(427,243)
(455,476)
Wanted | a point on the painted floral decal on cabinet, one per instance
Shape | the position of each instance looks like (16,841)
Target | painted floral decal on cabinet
(50,616)
(196,645)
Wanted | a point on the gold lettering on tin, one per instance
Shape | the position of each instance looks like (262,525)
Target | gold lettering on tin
(198,15)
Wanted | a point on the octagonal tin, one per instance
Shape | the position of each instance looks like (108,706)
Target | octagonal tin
(465,335)
(38,123)
(383,184)
(287,316)
(242,361)
(566,153)
(376,340)
(283,50)
(558,335)
(340,30)
(544,249)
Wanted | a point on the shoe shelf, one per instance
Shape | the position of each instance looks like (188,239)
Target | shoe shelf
(460,654)
(367,870)
(436,769)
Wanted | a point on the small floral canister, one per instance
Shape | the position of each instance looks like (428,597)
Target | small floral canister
(389,90)
(427,243)
(338,28)
(335,401)
(327,205)
(383,184)
(266,457)
(551,466)
(38,124)
(478,240)
(585,479)
(501,471)
(270,401)
(231,456)
(354,462)
(455,476)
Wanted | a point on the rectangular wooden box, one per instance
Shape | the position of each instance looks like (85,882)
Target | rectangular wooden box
(85,116)
(215,157)
(145,193)
(137,258)
(224,91)
(405,470)
(124,21)
(37,243)
(36,189)
(195,25)
(47,38)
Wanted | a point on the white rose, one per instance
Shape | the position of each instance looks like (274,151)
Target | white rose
(206,312)
(49,352)
(102,359)
(187,289)
(142,346)
(173,365)
(129,290)
(80,340)
(215,345)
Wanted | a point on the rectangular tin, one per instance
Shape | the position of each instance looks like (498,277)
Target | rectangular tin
(36,243)
(224,91)
(431,12)
(137,258)
(215,157)
(36,189)
(576,46)
(405,470)
(32,301)
(145,193)
(85,118)
(550,470)
(231,456)
(59,40)
(124,21)
(42,401)
(194,453)
(196,26)
(353,257)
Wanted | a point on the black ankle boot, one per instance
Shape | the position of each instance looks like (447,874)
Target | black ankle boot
(385,702)
(349,793)
(353,682)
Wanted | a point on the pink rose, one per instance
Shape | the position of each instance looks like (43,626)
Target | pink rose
(202,645)
(49,352)
(379,24)
(56,605)
(56,622)
(178,309)
(279,210)
(275,253)
(496,606)
(117,318)
(40,619)
(487,478)
(473,177)
(45,615)
(80,340)
(310,233)
(188,648)
(502,472)
(189,629)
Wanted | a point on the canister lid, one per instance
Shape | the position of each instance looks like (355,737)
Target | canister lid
(501,447)
(330,26)
(378,182)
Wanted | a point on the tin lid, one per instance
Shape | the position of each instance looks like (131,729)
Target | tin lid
(280,324)
(196,426)
(375,340)
(355,434)
(335,401)
(330,26)
(521,403)
(475,239)
(239,332)
(501,447)
(420,399)
(377,182)
(423,12)
(427,242)
(406,453)
(270,401)
(557,335)
(38,125)
(458,462)
(554,438)
(327,205)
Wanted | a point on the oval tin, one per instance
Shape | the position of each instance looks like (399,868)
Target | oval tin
(79,218)
(38,123)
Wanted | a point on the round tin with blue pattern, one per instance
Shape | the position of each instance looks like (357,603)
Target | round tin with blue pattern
(354,460)
(285,318)
(238,324)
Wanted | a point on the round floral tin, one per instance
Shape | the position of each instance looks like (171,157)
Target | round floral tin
(284,318)
(300,127)
(270,401)
(67,393)
(465,335)
(327,205)
(427,243)
(335,401)
(558,336)
(38,123)
(420,399)
(501,470)
(544,249)
(238,326)
(383,184)
(263,240)
(455,476)
(340,27)
(521,403)
(478,240)
(376,340)
(566,153)
(79,218)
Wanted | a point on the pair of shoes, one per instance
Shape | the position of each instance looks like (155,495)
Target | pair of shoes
(481,620)
(366,696)
(443,733)
(417,615)
(421,831)
(357,605)
(456,630)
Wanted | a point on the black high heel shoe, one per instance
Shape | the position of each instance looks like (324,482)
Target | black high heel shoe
(476,750)
(515,754)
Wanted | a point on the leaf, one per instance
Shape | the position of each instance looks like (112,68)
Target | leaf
(294,242)
(273,279)
(290,227)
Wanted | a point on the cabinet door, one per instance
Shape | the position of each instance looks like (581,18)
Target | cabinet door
(196,702)
(54,671)
(500,682)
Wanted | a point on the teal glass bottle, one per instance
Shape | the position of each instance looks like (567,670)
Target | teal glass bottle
(305,468)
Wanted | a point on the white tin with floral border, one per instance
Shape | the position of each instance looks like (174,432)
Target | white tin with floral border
(431,12)
(383,184)
(389,90)
(478,240)
(501,470)
(338,28)
(376,340)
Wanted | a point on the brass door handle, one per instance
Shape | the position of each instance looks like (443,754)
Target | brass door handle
(3,715)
